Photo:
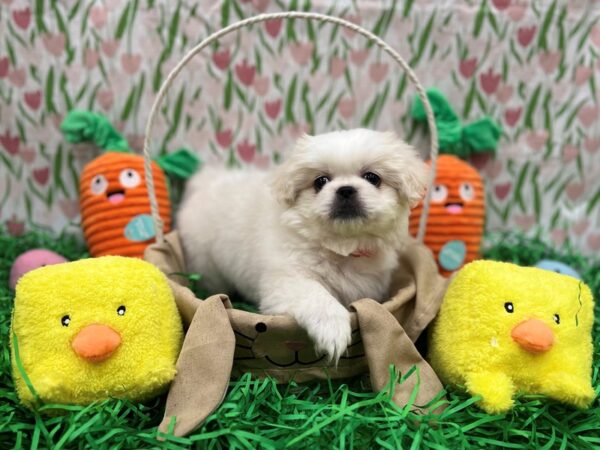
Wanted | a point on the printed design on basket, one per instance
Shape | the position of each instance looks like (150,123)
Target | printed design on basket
(285,353)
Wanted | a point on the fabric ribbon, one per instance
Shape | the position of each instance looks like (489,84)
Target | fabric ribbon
(455,138)
(86,126)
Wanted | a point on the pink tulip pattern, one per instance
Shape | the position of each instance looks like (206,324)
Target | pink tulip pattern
(10,143)
(245,100)
(131,63)
(261,85)
(273,27)
(245,72)
(54,43)
(4,66)
(512,116)
(224,138)
(246,150)
(489,81)
(90,58)
(467,67)
(273,108)
(109,47)
(22,18)
(301,52)
(33,100)
(525,35)
(501,5)
(221,58)
(338,65)
(41,175)
(98,15)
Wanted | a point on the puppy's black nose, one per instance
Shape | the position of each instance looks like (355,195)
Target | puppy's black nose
(346,192)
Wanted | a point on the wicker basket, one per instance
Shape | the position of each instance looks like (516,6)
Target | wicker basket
(222,341)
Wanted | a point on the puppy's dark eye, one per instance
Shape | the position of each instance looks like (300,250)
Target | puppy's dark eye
(372,178)
(557,319)
(320,182)
(509,307)
(260,327)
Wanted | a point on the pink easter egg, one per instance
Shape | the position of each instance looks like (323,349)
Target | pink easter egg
(31,260)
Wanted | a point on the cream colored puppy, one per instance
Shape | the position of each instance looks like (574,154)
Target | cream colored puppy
(312,236)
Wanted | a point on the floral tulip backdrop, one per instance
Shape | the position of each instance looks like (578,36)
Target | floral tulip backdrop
(533,66)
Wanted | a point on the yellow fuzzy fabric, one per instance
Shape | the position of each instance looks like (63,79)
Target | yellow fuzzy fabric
(90,291)
(470,343)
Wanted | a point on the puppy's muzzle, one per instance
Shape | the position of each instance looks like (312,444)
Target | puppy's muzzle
(347,205)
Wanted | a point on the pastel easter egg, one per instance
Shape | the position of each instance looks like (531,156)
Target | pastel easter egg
(452,255)
(140,228)
(31,260)
(558,267)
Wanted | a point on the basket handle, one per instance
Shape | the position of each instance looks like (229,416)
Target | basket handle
(158,224)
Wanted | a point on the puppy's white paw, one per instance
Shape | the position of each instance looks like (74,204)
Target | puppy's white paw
(331,331)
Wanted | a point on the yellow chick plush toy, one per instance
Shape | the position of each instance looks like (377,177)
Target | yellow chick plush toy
(504,329)
(94,329)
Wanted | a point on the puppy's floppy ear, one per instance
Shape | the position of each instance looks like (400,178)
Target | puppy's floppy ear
(406,170)
(415,180)
(282,185)
(289,175)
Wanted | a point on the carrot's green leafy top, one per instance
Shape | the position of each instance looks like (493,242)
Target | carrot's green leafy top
(181,163)
(454,138)
(86,126)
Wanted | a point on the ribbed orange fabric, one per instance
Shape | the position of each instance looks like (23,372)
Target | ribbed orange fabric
(465,226)
(103,221)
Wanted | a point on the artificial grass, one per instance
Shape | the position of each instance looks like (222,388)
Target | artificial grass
(261,414)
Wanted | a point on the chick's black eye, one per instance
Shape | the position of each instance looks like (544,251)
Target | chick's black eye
(65,321)
(320,182)
(557,319)
(509,307)
(372,178)
(121,310)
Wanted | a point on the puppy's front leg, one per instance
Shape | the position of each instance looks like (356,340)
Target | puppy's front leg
(326,321)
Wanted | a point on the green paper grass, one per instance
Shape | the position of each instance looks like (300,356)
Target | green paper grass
(328,414)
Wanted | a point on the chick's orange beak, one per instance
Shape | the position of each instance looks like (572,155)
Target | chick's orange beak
(96,342)
(533,335)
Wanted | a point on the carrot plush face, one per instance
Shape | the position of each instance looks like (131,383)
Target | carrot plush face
(456,215)
(115,209)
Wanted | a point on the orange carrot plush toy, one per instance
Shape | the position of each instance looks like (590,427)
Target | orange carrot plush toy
(115,209)
(457,212)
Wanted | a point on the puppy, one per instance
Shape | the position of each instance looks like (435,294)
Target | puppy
(321,231)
